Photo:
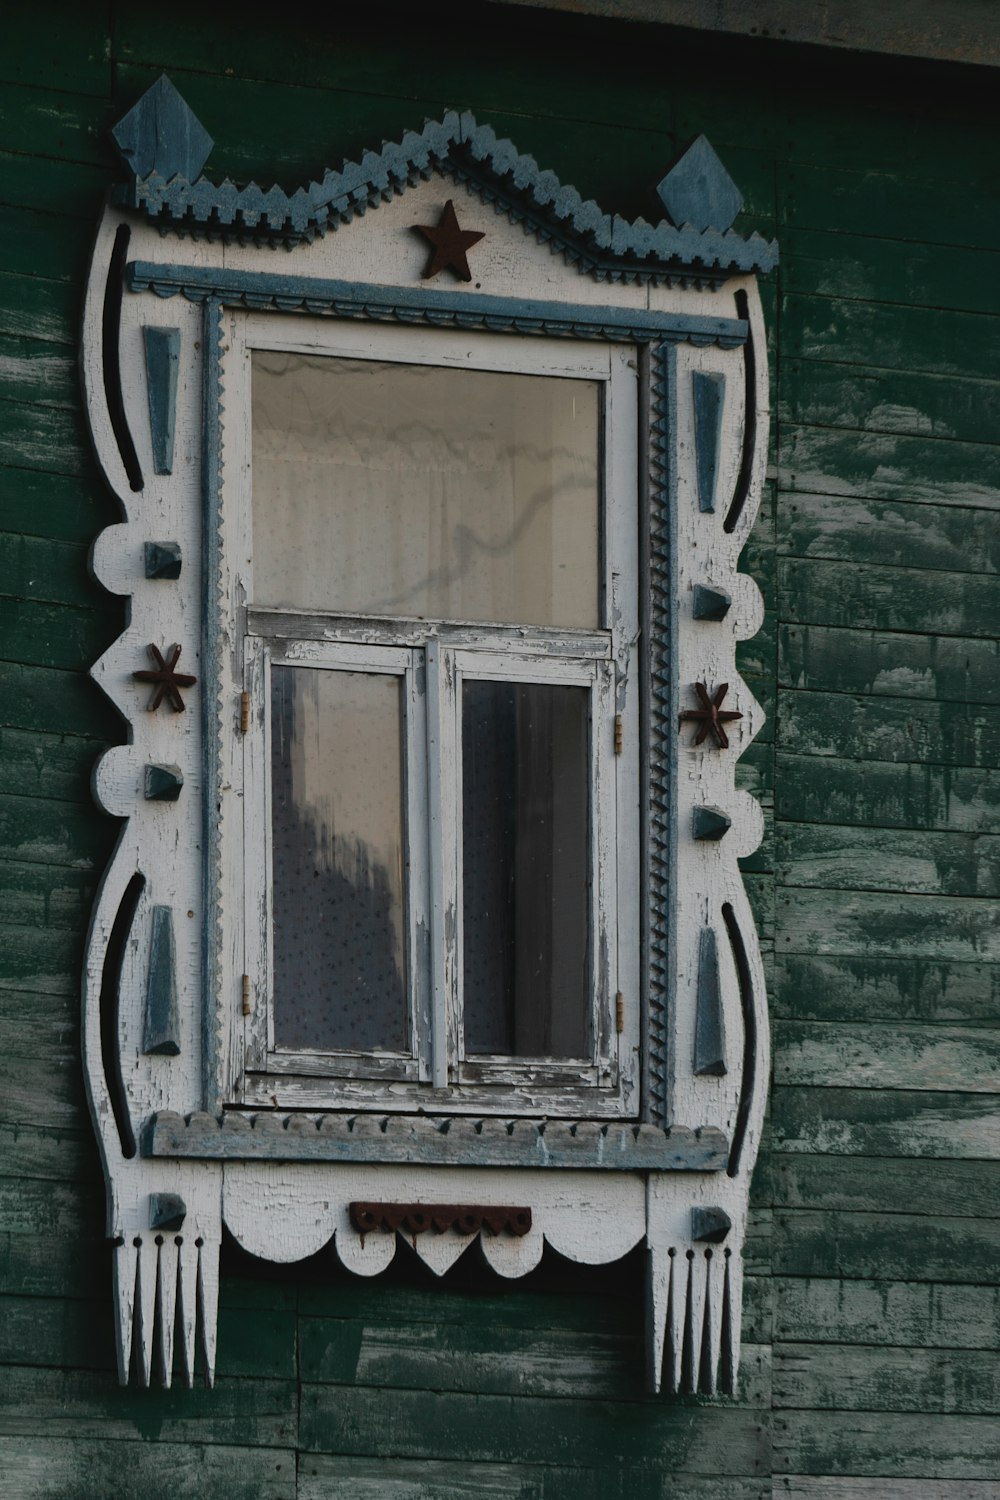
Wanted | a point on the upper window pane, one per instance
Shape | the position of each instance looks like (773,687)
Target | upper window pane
(419,490)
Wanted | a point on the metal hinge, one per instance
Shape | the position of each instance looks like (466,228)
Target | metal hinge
(247,1003)
(619,1012)
(244,712)
(619,734)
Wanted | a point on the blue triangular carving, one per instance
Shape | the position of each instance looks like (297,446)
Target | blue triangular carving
(698,191)
(162,134)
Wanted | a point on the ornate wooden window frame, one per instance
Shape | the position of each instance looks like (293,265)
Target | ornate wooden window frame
(160,1049)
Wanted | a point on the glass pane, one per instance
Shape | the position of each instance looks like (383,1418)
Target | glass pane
(337,855)
(414,490)
(525,832)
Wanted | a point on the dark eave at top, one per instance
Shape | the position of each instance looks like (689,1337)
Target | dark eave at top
(965,31)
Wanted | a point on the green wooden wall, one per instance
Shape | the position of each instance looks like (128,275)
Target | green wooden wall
(874,1309)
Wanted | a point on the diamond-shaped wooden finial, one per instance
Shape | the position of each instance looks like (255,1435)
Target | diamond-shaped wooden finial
(699,191)
(162,134)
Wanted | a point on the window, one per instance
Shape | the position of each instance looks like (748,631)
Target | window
(425,912)
(435,554)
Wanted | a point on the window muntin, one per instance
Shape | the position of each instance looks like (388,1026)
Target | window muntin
(439,1064)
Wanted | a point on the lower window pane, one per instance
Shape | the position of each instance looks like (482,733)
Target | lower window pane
(337,860)
(526,875)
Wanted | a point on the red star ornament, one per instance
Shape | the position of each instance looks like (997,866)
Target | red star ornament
(449,244)
(709,717)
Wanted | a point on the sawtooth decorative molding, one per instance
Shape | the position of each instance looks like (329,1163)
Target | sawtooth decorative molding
(186,1149)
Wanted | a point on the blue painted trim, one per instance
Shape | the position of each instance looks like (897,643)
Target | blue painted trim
(661,716)
(710,1224)
(434,1141)
(212,706)
(162,134)
(163,361)
(709,604)
(709,824)
(161,1021)
(162,783)
(265,290)
(709,1025)
(708,392)
(599,243)
(163,559)
(698,192)
(166,1211)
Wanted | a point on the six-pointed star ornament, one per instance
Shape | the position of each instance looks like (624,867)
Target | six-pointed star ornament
(167,679)
(449,244)
(709,716)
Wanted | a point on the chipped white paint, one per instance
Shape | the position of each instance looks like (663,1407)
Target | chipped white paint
(286,1210)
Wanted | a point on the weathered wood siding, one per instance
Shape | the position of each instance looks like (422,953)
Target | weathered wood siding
(874,1309)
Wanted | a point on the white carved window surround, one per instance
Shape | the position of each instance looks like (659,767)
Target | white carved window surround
(426,915)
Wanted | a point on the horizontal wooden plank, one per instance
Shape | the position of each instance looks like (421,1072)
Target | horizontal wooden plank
(44,437)
(890,1184)
(889,1443)
(940,928)
(47,765)
(890,664)
(885,1246)
(901,1123)
(662,1437)
(960,1058)
(832,330)
(41,961)
(874,1379)
(808,987)
(755,771)
(32,1033)
(41,831)
(28,246)
(31,370)
(843,528)
(327,1477)
(49,122)
(868,399)
(888,202)
(62,1155)
(853,1487)
(47,1208)
(861,268)
(41,1466)
(892,1314)
(888,859)
(887,466)
(44,894)
(870,597)
(809,789)
(76,48)
(59,506)
(37,308)
(54,635)
(40,569)
(889,729)
(56,1333)
(55,701)
(495,1359)
(75,187)
(38,1094)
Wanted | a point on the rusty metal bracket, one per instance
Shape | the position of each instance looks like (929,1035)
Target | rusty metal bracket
(417,1218)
